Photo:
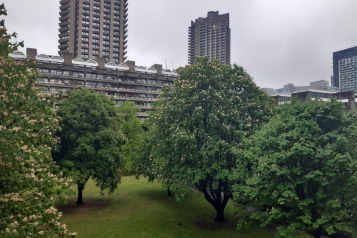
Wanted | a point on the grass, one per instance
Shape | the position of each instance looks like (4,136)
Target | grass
(142,209)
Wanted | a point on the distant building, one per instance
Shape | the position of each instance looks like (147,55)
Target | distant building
(94,28)
(270,91)
(210,36)
(347,98)
(348,74)
(291,88)
(287,89)
(337,56)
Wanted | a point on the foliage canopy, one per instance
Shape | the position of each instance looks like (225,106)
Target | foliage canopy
(198,124)
(302,169)
(29,180)
(91,140)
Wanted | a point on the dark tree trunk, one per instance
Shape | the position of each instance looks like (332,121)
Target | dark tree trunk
(220,213)
(80,200)
(169,192)
(316,233)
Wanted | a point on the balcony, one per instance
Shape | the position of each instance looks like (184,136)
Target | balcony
(65,23)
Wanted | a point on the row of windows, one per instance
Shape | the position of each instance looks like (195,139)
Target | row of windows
(103,76)
(108,93)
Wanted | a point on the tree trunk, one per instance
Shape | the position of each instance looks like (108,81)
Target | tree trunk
(316,233)
(80,200)
(220,213)
(169,192)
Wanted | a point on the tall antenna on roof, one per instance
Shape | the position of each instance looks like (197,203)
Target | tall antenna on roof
(173,68)
(165,63)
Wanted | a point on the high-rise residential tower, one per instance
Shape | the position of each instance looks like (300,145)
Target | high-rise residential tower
(337,56)
(210,36)
(94,28)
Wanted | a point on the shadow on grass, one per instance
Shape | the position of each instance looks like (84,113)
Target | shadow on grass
(89,205)
(194,209)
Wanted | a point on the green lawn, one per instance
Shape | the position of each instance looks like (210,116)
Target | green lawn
(142,209)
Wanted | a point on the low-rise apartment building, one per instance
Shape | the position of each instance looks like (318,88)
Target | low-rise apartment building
(125,81)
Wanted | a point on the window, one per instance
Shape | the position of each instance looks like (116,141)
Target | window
(85,33)
(84,38)
(95,51)
(107,58)
(106,47)
(96,35)
(95,46)
(116,60)
(106,36)
(106,53)
(95,41)
(95,29)
(84,50)
(106,42)
(95,12)
(116,49)
(84,56)
(115,54)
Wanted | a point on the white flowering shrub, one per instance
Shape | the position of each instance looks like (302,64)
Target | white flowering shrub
(29,180)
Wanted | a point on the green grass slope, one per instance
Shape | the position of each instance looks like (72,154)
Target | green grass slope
(142,209)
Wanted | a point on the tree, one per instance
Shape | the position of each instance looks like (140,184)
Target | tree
(303,169)
(91,140)
(131,127)
(29,180)
(196,126)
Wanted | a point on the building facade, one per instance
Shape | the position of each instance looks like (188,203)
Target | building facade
(123,82)
(94,28)
(337,56)
(210,36)
(348,74)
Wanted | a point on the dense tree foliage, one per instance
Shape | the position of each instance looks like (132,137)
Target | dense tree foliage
(91,140)
(196,125)
(302,169)
(29,180)
(131,127)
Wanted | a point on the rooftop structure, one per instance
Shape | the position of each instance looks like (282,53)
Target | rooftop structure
(210,36)
(124,81)
(291,88)
(94,28)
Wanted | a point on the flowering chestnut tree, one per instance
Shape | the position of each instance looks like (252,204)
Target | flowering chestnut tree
(196,126)
(29,180)
(91,140)
(303,170)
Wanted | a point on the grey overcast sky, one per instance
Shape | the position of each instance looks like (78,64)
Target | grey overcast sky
(276,41)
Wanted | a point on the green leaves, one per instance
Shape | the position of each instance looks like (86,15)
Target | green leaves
(30,182)
(306,168)
(197,125)
(91,139)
